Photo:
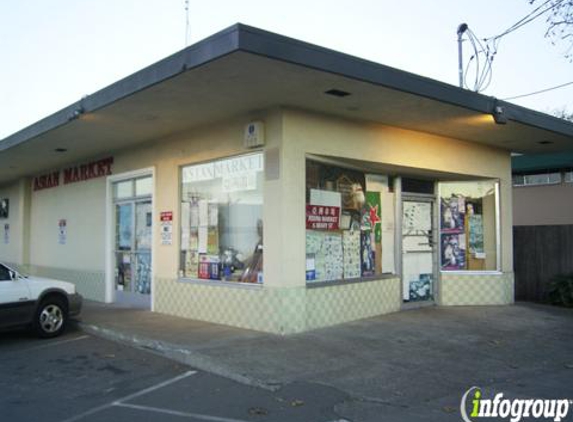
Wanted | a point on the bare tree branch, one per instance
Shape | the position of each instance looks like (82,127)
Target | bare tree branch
(560,24)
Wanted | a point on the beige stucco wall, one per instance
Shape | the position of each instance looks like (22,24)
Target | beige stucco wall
(82,205)
(543,205)
(283,304)
(166,156)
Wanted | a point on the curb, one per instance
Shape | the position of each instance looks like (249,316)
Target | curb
(177,353)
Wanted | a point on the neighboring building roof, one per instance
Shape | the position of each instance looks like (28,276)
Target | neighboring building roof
(542,162)
(242,69)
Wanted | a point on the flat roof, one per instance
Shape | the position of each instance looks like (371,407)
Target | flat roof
(542,162)
(241,69)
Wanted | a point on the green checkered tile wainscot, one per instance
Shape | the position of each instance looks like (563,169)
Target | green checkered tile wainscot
(90,284)
(252,307)
(277,310)
(476,289)
(336,304)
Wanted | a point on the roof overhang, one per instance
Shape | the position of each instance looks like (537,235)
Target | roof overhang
(244,69)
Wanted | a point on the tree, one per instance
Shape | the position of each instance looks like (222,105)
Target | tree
(563,113)
(559,23)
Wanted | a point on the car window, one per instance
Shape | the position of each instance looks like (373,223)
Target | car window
(4,273)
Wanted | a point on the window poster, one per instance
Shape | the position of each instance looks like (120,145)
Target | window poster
(4,208)
(166,218)
(326,247)
(368,248)
(453,251)
(475,232)
(351,248)
(420,289)
(371,215)
(453,214)
(417,217)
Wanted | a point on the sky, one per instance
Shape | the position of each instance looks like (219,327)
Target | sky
(52,53)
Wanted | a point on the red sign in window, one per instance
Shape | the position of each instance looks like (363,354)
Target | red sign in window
(321,217)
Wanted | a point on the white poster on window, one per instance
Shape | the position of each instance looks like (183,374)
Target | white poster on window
(166,218)
(203,213)
(203,237)
(62,231)
(326,198)
(417,217)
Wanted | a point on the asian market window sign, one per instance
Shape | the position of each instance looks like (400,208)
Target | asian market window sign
(80,173)
(236,174)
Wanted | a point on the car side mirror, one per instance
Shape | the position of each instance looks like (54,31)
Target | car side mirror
(13,275)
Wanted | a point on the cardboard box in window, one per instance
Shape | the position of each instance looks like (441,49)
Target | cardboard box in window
(209,267)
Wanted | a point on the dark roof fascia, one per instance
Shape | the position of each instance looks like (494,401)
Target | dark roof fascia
(541,162)
(298,52)
(278,47)
(205,51)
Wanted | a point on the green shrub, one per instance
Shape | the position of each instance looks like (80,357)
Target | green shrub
(561,290)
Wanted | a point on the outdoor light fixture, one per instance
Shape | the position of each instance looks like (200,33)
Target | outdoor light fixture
(60,149)
(499,115)
(77,113)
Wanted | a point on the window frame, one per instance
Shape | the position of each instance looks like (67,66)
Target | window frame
(340,163)
(524,177)
(181,277)
(498,245)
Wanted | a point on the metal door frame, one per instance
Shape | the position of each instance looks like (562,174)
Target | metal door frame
(411,197)
(110,291)
(134,202)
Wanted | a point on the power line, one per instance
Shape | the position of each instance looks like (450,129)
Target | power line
(484,72)
(527,19)
(538,92)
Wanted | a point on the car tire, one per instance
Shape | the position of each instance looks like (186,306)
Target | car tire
(51,317)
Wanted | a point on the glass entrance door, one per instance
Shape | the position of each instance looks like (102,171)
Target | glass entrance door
(418,251)
(133,228)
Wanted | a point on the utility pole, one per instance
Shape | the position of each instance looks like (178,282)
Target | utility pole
(461,29)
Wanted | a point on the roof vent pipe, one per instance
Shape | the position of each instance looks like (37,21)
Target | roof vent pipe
(461,29)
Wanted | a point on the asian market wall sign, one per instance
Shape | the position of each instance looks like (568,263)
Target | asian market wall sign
(320,217)
(80,173)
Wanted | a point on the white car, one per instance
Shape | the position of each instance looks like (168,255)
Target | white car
(41,303)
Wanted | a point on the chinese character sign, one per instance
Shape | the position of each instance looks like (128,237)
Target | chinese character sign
(319,217)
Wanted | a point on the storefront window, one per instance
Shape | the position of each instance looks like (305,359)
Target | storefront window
(537,179)
(349,221)
(221,220)
(468,228)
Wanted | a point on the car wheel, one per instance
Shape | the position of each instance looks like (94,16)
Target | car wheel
(51,317)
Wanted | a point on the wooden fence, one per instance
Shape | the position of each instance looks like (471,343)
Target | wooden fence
(539,253)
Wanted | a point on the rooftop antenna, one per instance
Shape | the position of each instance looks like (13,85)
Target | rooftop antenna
(186,23)
(461,29)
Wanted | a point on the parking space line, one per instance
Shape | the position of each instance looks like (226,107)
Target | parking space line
(130,397)
(53,343)
(198,416)
(155,387)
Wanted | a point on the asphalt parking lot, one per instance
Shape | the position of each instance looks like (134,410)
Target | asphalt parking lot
(408,366)
(78,377)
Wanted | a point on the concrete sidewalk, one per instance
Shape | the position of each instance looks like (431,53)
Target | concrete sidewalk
(417,362)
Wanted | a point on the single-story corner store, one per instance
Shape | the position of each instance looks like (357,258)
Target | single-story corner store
(261,182)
